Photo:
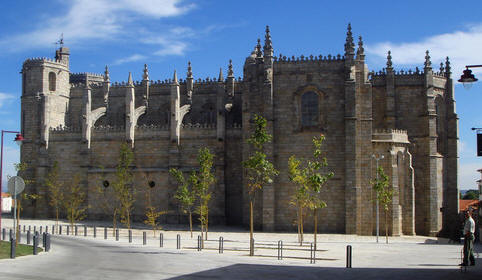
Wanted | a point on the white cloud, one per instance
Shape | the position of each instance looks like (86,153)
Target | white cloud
(132,58)
(4,98)
(462,47)
(93,19)
(173,48)
(468,175)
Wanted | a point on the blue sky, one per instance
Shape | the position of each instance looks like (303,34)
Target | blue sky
(166,34)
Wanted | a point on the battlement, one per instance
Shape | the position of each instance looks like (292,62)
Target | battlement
(39,61)
(390,135)
(198,126)
(311,58)
(152,127)
(63,129)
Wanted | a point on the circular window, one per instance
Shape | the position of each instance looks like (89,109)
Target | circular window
(106,184)
(152,184)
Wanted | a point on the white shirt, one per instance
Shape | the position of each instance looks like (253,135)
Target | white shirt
(469,226)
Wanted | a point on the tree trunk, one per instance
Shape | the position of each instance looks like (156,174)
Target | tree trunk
(202,227)
(316,225)
(190,222)
(207,222)
(301,225)
(386,225)
(251,228)
(299,228)
(114,220)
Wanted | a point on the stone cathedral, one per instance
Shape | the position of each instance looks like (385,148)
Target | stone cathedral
(80,121)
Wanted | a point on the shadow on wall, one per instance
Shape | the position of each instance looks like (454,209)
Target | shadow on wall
(253,271)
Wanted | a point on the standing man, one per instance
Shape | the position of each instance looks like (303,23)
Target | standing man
(469,229)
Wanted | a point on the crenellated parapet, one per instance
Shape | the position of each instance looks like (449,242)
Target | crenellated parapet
(390,136)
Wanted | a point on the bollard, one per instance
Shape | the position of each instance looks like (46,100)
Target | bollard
(11,235)
(40,229)
(34,228)
(3,233)
(130,236)
(53,229)
(251,247)
(221,244)
(95,231)
(28,237)
(47,242)
(75,230)
(116,234)
(348,256)
(199,242)
(85,230)
(46,229)
(29,227)
(105,233)
(24,228)
(19,237)
(60,230)
(12,248)
(144,238)
(161,240)
(68,230)
(178,244)
(44,240)
(35,244)
(280,250)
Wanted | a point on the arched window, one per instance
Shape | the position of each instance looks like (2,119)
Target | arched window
(52,81)
(309,109)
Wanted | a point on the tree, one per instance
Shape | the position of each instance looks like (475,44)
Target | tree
(259,170)
(185,194)
(300,198)
(152,214)
(55,191)
(310,178)
(202,182)
(383,194)
(74,201)
(122,185)
(471,194)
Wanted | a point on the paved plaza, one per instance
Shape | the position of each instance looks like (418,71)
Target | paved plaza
(79,257)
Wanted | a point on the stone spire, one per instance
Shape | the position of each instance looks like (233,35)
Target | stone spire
(145,76)
(442,68)
(349,45)
(174,79)
(259,53)
(447,68)
(130,83)
(106,74)
(360,53)
(268,46)
(389,61)
(189,70)
(428,63)
(230,69)
(221,77)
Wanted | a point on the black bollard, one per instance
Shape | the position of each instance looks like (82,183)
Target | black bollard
(28,237)
(144,238)
(116,234)
(76,230)
(35,244)
(3,233)
(130,236)
(60,230)
(348,256)
(40,229)
(24,228)
(34,228)
(19,237)
(280,250)
(221,245)
(95,231)
(46,229)
(178,244)
(44,240)
(10,234)
(12,248)
(105,233)
(85,230)
(29,228)
(68,230)
(53,229)
(199,242)
(161,240)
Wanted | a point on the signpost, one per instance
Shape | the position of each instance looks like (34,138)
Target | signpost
(16,185)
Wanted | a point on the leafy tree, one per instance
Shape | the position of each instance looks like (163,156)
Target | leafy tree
(74,201)
(152,214)
(300,198)
(185,194)
(259,170)
(471,194)
(202,182)
(122,185)
(55,191)
(310,179)
(384,194)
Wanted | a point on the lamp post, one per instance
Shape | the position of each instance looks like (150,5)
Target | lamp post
(378,210)
(467,77)
(18,139)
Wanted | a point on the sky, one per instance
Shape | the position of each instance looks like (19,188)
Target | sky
(166,34)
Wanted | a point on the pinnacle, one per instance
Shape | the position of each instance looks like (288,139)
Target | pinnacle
(146,73)
(189,70)
(361,50)
(389,61)
(349,45)
(230,69)
(258,49)
(428,63)
(174,79)
(106,74)
(220,78)
(129,80)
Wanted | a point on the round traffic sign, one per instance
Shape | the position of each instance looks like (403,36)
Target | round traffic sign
(15,185)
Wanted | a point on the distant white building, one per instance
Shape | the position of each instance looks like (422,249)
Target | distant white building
(6,203)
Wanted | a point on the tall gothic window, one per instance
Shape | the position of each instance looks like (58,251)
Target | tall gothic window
(309,109)
(52,81)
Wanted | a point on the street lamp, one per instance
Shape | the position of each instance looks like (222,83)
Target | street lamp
(467,77)
(18,139)
(378,210)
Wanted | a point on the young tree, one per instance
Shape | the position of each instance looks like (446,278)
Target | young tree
(300,198)
(384,194)
(55,191)
(185,194)
(311,179)
(259,170)
(74,201)
(202,182)
(122,185)
(152,214)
